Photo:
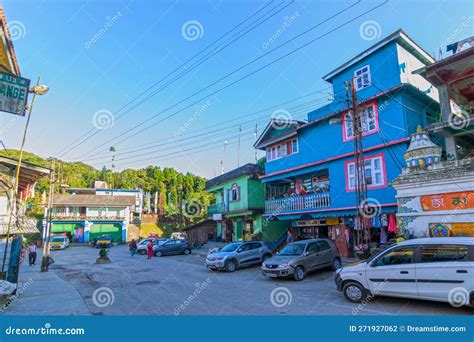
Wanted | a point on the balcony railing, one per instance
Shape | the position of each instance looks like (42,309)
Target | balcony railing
(85,218)
(297,203)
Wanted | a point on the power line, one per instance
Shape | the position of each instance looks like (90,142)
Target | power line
(85,136)
(241,78)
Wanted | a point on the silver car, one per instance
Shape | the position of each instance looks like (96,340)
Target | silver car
(238,254)
(299,258)
(143,244)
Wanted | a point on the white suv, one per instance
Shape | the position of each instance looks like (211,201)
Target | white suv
(439,269)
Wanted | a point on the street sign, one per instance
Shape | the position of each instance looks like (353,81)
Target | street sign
(13,93)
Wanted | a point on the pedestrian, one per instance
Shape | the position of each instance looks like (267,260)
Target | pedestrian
(149,248)
(133,247)
(289,236)
(23,252)
(32,253)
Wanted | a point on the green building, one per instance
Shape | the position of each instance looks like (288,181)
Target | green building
(239,203)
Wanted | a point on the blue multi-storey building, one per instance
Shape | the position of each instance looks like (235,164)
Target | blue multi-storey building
(310,169)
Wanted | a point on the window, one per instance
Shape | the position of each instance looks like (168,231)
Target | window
(312,248)
(286,148)
(323,245)
(362,77)
(234,193)
(255,245)
(374,168)
(444,253)
(398,256)
(368,121)
(294,145)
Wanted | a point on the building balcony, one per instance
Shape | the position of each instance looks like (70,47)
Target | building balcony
(215,209)
(297,203)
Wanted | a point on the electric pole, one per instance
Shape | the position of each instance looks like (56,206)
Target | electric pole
(360,181)
(47,234)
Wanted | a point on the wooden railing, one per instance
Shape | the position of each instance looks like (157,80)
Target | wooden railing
(297,203)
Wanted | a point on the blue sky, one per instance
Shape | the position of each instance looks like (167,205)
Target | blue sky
(96,56)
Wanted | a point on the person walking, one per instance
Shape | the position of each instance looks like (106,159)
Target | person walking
(32,253)
(289,236)
(149,248)
(133,247)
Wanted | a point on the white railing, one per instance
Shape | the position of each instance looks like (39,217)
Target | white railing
(297,203)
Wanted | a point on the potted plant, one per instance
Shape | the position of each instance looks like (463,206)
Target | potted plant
(103,257)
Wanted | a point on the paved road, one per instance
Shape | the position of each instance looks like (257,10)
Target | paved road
(181,285)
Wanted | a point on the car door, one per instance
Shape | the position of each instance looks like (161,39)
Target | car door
(393,273)
(167,247)
(255,252)
(443,269)
(244,254)
(311,256)
(325,253)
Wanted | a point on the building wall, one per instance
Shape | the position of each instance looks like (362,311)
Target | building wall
(251,194)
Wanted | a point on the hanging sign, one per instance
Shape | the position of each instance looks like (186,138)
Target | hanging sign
(13,93)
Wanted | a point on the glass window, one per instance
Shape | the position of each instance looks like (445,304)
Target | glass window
(312,248)
(362,77)
(294,145)
(444,253)
(368,122)
(398,256)
(235,193)
(323,245)
(374,173)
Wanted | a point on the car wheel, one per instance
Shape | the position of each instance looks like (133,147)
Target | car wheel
(230,266)
(158,253)
(336,264)
(187,252)
(354,292)
(299,273)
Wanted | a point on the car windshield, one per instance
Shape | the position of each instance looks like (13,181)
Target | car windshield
(292,249)
(231,247)
(57,239)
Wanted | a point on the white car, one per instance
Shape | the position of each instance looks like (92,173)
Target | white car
(59,242)
(438,269)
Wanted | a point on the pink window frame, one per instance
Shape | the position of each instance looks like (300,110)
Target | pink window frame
(377,127)
(384,172)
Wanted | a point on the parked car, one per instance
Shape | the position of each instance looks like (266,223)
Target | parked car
(59,242)
(172,246)
(104,241)
(299,258)
(143,244)
(438,269)
(238,254)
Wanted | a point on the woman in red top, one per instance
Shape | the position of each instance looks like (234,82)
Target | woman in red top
(149,248)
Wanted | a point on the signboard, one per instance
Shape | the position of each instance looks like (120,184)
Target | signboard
(452,229)
(450,201)
(310,223)
(332,221)
(217,217)
(13,93)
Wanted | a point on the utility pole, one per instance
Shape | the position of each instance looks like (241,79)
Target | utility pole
(238,147)
(47,235)
(256,136)
(360,180)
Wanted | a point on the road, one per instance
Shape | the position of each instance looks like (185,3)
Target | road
(181,285)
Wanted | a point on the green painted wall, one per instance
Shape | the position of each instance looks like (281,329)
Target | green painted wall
(269,231)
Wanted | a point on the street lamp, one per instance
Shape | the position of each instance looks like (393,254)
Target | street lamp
(39,89)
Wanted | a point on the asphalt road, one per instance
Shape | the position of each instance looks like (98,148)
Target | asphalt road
(182,285)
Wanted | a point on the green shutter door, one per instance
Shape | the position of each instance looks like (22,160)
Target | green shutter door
(63,228)
(112,229)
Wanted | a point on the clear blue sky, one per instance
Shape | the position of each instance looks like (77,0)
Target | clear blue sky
(144,41)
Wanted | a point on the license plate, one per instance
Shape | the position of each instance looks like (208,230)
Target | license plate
(272,275)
